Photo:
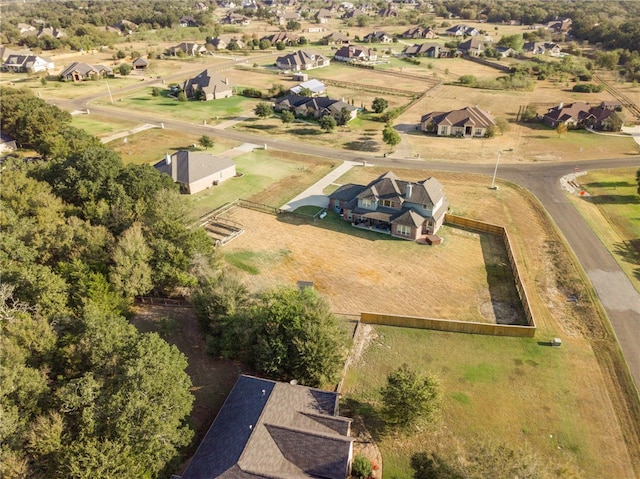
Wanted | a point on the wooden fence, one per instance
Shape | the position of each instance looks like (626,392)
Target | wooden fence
(448,325)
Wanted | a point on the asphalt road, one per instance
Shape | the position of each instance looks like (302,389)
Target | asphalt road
(620,299)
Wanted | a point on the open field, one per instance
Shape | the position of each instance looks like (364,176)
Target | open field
(281,250)
(517,392)
(101,126)
(612,209)
(525,142)
(480,374)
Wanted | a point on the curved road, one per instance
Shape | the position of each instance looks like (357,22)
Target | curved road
(620,299)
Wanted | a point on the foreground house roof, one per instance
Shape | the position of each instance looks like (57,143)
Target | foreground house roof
(187,167)
(270,429)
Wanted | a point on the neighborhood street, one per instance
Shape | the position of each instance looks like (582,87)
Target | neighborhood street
(618,296)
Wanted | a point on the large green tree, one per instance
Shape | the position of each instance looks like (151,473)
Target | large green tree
(409,397)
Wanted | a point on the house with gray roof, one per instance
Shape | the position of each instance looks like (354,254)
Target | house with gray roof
(269,429)
(23,63)
(302,60)
(403,209)
(78,71)
(208,86)
(336,38)
(315,107)
(195,170)
(354,53)
(467,122)
(431,50)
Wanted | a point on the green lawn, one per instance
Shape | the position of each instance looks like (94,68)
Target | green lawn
(612,209)
(101,126)
(212,112)
(486,383)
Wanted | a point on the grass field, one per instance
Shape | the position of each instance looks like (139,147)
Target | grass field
(101,126)
(612,209)
(513,390)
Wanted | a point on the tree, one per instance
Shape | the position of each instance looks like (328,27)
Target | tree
(287,116)
(306,92)
(155,91)
(502,124)
(379,105)
(327,123)
(361,467)
(561,129)
(182,96)
(515,41)
(390,136)
(205,142)
(264,44)
(120,55)
(296,337)
(263,110)
(293,25)
(280,46)
(408,397)
(124,69)
(277,89)
(345,116)
(131,273)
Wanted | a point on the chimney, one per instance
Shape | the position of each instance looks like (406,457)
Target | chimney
(408,191)
(226,81)
(168,159)
(560,106)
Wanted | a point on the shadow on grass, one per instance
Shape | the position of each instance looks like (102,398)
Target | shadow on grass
(260,127)
(362,145)
(613,199)
(610,184)
(305,131)
(629,251)
(375,424)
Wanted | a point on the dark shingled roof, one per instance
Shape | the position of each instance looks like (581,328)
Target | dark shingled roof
(274,430)
(187,167)
(346,192)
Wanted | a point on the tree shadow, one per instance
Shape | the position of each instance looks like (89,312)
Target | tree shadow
(305,131)
(260,127)
(365,144)
(352,407)
(613,199)
(610,184)
(630,252)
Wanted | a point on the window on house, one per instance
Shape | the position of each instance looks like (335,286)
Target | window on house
(403,230)
(366,203)
(478,131)
(388,203)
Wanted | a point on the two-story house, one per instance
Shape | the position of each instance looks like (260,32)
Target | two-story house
(404,209)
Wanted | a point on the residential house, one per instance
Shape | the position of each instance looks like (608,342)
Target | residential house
(353,53)
(196,171)
(431,50)
(18,63)
(236,19)
(7,143)
(468,122)
(504,52)
(285,37)
(25,28)
(201,7)
(140,63)
(403,209)
(378,37)
(45,32)
(315,107)
(419,32)
(316,87)
(461,30)
(580,115)
(7,52)
(388,12)
(356,12)
(289,17)
(126,27)
(208,86)
(78,71)
(473,47)
(559,25)
(187,48)
(218,43)
(540,48)
(323,15)
(336,38)
(274,429)
(188,21)
(302,60)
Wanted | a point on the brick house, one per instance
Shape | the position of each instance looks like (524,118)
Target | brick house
(468,122)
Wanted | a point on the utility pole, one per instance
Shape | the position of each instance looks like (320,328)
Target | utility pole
(109,89)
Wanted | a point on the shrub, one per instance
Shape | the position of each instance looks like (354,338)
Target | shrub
(361,467)
(251,93)
(588,88)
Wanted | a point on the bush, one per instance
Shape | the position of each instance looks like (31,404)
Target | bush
(361,467)
(468,80)
(588,88)
(251,93)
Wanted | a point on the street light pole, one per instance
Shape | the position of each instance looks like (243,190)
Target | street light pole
(495,171)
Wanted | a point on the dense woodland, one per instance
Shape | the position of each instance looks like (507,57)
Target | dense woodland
(613,25)
(83,394)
